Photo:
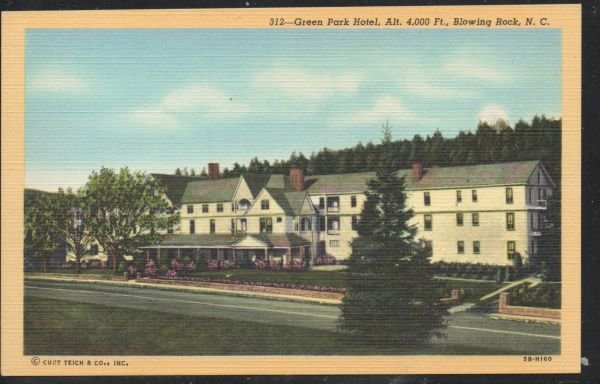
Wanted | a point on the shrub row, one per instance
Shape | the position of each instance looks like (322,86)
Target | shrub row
(544,296)
(477,271)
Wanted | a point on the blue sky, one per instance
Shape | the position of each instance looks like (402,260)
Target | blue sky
(155,100)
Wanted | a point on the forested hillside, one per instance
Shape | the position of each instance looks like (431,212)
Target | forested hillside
(539,139)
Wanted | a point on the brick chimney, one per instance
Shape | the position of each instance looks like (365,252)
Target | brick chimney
(297,178)
(417,170)
(213,171)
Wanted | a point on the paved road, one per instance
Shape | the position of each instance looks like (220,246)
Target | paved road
(465,330)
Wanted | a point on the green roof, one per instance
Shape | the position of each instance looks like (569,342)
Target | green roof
(290,202)
(225,240)
(281,239)
(210,191)
(256,182)
(477,175)
(175,185)
(207,240)
(207,191)
(342,183)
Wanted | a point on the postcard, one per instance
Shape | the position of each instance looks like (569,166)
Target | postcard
(366,190)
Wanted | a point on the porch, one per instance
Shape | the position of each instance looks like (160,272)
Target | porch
(242,251)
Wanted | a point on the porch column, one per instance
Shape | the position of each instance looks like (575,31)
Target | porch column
(158,254)
(289,256)
(147,254)
(178,253)
(267,256)
(234,258)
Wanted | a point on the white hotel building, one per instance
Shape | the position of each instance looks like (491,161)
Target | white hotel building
(475,214)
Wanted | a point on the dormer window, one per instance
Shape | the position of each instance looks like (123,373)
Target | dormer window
(264,204)
(243,204)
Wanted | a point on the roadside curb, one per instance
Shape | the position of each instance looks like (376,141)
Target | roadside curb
(524,319)
(182,288)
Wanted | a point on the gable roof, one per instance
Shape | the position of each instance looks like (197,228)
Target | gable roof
(256,182)
(477,175)
(210,191)
(290,202)
(175,185)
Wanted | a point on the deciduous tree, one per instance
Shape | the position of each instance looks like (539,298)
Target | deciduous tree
(127,209)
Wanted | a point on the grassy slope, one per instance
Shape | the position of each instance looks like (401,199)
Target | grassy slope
(61,327)
(335,279)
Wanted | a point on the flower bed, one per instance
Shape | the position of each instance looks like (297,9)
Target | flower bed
(305,287)
(325,260)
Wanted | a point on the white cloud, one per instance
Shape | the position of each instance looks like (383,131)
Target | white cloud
(195,98)
(154,117)
(424,89)
(385,108)
(471,69)
(298,83)
(491,113)
(57,80)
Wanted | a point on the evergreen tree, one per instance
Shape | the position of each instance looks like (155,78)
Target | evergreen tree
(391,297)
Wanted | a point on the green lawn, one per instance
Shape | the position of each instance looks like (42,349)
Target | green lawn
(56,327)
(336,279)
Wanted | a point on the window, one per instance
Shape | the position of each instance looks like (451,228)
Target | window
(428,244)
(306,224)
(475,219)
(539,177)
(243,204)
(220,207)
(321,202)
(510,221)
(190,209)
(474,195)
(354,222)
(232,207)
(334,243)
(243,225)
(94,249)
(533,250)
(192,226)
(321,220)
(264,204)
(353,201)
(509,195)
(529,195)
(212,226)
(426,198)
(279,219)
(204,208)
(333,203)
(232,225)
(476,247)
(459,219)
(428,223)
(510,250)
(266,224)
(333,223)
(460,247)
(543,194)
(459,196)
